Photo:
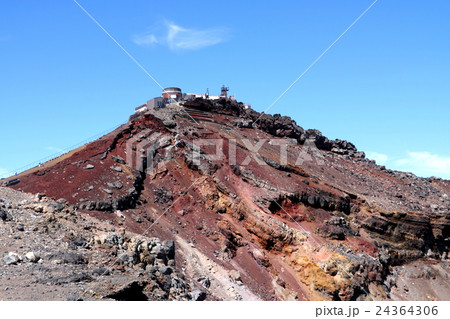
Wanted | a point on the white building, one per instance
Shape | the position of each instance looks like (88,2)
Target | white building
(173,94)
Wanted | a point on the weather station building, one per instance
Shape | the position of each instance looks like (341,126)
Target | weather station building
(173,95)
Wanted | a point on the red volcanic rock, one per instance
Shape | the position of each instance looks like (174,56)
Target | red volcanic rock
(318,221)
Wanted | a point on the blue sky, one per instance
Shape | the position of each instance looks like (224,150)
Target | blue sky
(384,86)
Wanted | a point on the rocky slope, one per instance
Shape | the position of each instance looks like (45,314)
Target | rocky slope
(248,220)
(52,252)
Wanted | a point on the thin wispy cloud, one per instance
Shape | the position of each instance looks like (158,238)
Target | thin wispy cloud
(423,164)
(426,164)
(180,38)
(191,39)
(145,40)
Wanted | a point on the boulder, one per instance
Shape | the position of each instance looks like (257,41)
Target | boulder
(204,281)
(12,259)
(81,242)
(132,291)
(235,275)
(197,295)
(4,215)
(116,240)
(67,257)
(101,272)
(118,159)
(169,123)
(32,257)
(166,270)
(169,248)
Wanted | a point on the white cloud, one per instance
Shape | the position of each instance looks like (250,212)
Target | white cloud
(381,159)
(145,40)
(180,38)
(425,164)
(422,164)
(191,39)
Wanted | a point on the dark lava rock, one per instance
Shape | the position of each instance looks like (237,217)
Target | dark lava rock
(198,295)
(242,123)
(222,106)
(101,272)
(4,215)
(162,195)
(204,281)
(169,248)
(335,228)
(57,207)
(67,257)
(133,291)
(81,242)
(166,270)
(118,159)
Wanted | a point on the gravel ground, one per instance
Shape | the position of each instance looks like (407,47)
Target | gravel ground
(48,252)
